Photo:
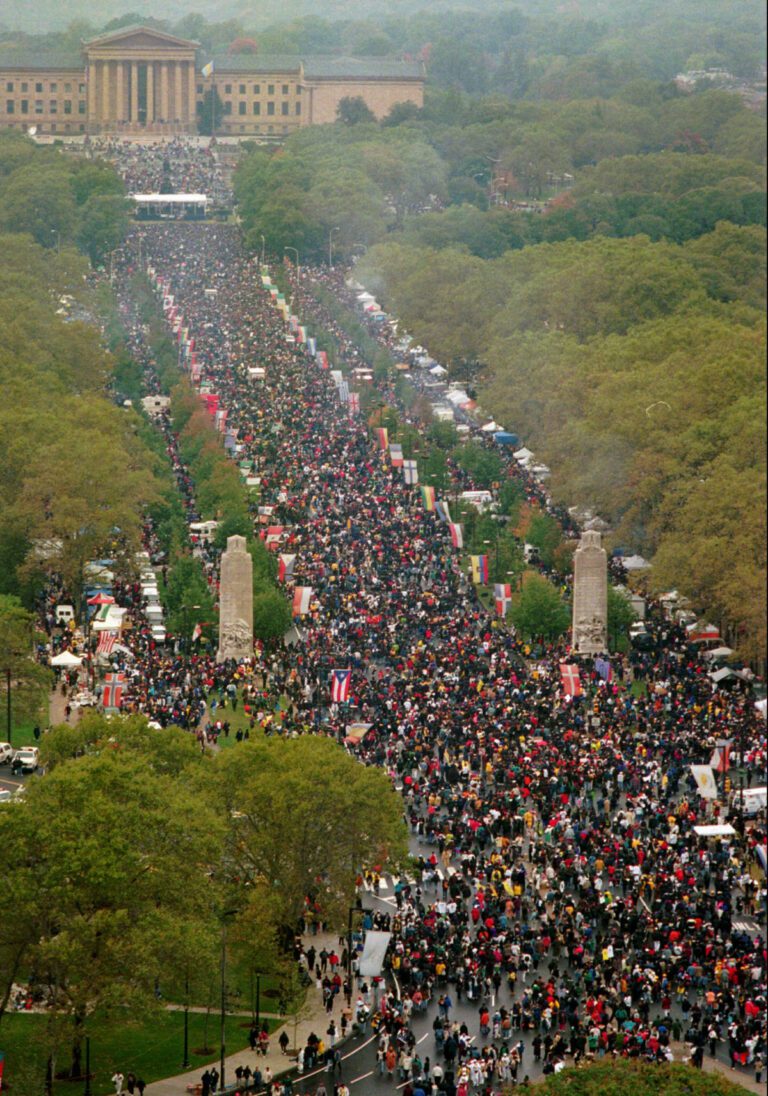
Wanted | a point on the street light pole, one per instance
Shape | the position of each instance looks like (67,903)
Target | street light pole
(185,1063)
(263,248)
(9,711)
(295,250)
(330,246)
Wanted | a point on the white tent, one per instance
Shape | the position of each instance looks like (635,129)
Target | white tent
(491,427)
(438,371)
(365,296)
(635,563)
(522,456)
(66,659)
(719,652)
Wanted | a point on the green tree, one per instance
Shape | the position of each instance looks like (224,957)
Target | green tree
(115,855)
(28,680)
(540,611)
(306,817)
(352,110)
(103,225)
(271,615)
(620,615)
(210,111)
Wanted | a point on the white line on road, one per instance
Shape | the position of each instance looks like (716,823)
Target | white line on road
(361,1077)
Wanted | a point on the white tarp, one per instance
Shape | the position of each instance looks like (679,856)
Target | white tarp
(714,831)
(372,959)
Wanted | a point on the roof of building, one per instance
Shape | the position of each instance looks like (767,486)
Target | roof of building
(48,62)
(138,28)
(252,63)
(361,68)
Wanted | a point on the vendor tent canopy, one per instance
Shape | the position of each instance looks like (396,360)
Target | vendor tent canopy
(719,652)
(522,456)
(635,563)
(438,371)
(715,831)
(66,658)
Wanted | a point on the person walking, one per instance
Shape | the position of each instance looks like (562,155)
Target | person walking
(118,1080)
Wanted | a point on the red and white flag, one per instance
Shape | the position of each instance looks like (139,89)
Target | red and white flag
(112,697)
(457,534)
(721,758)
(340,680)
(302,598)
(285,568)
(197,631)
(272,539)
(502,595)
(569,674)
(107,640)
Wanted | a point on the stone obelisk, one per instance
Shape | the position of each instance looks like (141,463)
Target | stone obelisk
(590,596)
(236,602)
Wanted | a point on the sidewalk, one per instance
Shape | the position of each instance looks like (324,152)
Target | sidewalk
(312,1017)
(57,709)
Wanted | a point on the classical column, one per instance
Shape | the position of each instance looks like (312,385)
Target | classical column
(106,91)
(150,92)
(91,89)
(165,105)
(134,91)
(192,93)
(178,102)
(120,111)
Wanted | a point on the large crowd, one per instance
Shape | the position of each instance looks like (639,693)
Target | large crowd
(561,883)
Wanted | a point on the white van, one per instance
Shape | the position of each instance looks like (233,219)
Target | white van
(754,800)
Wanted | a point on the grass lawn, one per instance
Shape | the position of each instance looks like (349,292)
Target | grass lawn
(152,1050)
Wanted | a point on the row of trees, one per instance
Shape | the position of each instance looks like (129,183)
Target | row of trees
(634,369)
(645,161)
(123,865)
(60,201)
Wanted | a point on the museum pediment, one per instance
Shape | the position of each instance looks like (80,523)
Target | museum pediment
(138,38)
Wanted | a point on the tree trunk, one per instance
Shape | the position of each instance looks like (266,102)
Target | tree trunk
(75,1069)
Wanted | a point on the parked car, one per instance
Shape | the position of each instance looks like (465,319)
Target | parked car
(27,759)
(6,753)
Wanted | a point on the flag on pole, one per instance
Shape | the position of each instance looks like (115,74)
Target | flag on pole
(762,858)
(502,595)
(441,508)
(721,758)
(285,568)
(112,697)
(197,631)
(340,680)
(302,598)
(382,435)
(107,640)
(457,534)
(479,569)
(410,472)
(428,498)
(396,454)
(705,781)
(354,403)
(208,70)
(272,539)
(569,674)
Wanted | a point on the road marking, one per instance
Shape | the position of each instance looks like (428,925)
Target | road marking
(421,1040)
(361,1077)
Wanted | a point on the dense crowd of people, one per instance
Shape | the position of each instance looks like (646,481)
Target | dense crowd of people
(175,166)
(561,885)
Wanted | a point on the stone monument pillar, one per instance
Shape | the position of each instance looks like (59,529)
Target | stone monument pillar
(590,596)
(236,602)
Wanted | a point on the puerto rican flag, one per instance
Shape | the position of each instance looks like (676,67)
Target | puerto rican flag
(502,595)
(340,680)
(107,640)
(285,568)
(302,599)
(112,697)
(457,534)
(569,674)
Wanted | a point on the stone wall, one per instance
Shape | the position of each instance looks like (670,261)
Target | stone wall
(380,96)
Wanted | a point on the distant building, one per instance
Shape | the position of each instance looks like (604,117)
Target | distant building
(142,81)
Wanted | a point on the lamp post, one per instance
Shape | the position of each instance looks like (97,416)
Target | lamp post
(295,250)
(263,247)
(330,245)
(55,232)
(351,910)
(87,1091)
(185,1063)
(223,1018)
(185,609)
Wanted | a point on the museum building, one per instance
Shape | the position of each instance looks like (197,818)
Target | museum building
(141,81)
